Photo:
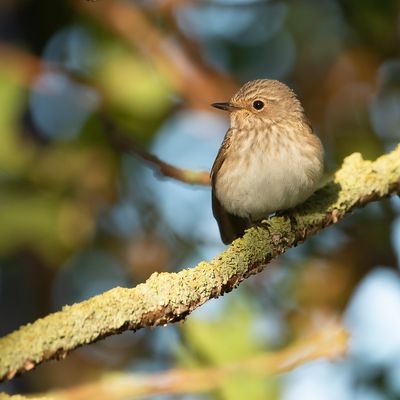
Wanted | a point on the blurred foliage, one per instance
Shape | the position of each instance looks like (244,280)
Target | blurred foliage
(78,217)
(229,339)
(135,92)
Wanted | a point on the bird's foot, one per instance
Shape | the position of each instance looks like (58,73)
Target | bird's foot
(287,215)
(264,223)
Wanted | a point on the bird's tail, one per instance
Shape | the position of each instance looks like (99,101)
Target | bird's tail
(230,226)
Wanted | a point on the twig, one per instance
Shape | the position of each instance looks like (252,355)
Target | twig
(127,144)
(24,68)
(170,297)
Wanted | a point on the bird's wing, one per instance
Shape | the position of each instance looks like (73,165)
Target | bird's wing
(219,160)
(230,226)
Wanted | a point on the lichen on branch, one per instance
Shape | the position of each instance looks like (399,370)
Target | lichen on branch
(170,297)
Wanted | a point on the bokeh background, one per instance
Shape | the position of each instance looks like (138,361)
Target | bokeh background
(78,216)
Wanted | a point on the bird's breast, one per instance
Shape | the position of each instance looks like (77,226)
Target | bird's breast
(262,174)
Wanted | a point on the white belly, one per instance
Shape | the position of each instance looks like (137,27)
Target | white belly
(268,183)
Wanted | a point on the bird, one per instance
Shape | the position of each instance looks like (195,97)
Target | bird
(270,159)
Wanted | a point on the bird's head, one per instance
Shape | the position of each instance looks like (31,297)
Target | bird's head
(262,102)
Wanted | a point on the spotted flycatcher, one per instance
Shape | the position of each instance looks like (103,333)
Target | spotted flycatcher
(270,160)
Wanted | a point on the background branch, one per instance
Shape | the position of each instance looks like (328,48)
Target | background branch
(170,297)
(329,342)
(127,144)
(198,84)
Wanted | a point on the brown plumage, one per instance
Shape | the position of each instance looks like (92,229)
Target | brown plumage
(269,160)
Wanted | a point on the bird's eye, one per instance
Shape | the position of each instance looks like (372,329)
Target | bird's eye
(258,105)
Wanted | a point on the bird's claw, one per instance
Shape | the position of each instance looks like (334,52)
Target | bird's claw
(287,216)
(264,224)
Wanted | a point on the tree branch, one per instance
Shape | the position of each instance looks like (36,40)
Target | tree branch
(170,297)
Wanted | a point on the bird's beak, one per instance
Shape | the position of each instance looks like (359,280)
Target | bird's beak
(226,106)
